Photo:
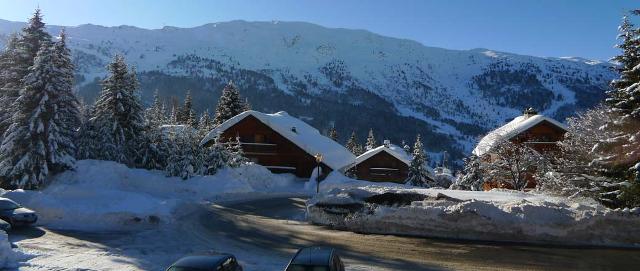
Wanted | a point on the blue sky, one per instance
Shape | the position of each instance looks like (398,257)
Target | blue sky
(585,28)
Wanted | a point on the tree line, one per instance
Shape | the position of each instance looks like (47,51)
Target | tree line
(44,128)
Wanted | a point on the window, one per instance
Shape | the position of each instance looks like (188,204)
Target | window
(258,138)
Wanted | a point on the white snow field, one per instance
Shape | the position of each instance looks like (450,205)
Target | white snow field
(497,215)
(88,215)
(103,195)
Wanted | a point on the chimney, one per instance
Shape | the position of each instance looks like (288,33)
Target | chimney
(529,112)
(293,129)
(387,143)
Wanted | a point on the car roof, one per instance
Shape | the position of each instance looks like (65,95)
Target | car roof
(202,262)
(313,256)
(7,199)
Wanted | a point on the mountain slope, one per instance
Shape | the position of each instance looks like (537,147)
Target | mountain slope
(353,79)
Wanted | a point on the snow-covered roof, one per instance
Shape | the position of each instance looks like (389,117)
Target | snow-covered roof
(306,137)
(394,150)
(511,129)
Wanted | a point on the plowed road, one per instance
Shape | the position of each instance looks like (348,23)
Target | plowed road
(263,234)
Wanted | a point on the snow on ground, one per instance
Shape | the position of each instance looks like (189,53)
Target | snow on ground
(103,215)
(8,257)
(476,215)
(102,195)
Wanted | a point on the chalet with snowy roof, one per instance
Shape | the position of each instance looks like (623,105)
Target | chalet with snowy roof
(282,143)
(537,131)
(387,163)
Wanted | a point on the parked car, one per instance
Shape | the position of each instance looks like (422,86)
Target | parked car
(15,214)
(219,262)
(316,259)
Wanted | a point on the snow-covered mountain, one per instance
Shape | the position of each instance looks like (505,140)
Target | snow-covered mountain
(353,79)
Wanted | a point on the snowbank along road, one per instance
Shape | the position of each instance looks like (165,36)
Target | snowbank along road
(264,234)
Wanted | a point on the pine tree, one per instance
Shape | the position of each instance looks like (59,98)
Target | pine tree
(371,141)
(236,156)
(186,157)
(87,135)
(68,105)
(187,113)
(154,115)
(333,134)
(217,157)
(352,144)
(418,174)
(36,142)
(205,124)
(119,115)
(472,178)
(173,116)
(229,105)
(621,151)
(15,63)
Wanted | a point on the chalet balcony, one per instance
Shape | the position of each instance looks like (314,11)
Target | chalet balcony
(259,149)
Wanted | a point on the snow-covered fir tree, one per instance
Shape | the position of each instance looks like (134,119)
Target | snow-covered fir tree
(118,115)
(154,148)
(155,114)
(236,156)
(472,178)
(173,116)
(186,157)
(68,105)
(418,173)
(229,105)
(620,153)
(217,157)
(205,124)
(15,62)
(87,135)
(333,133)
(371,141)
(352,144)
(187,115)
(36,143)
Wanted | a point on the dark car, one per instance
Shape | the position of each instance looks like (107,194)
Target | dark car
(15,214)
(219,262)
(316,259)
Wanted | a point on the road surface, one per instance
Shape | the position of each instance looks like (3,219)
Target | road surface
(264,234)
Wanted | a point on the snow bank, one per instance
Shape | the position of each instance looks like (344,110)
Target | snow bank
(494,215)
(107,195)
(8,257)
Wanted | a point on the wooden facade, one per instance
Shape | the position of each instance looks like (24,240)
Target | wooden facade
(266,147)
(381,167)
(542,137)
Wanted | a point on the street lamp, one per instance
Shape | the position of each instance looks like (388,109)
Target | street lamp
(318,161)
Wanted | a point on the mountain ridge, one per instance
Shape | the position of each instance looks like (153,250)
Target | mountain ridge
(456,94)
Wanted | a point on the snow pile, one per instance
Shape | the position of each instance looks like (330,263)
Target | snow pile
(494,215)
(8,257)
(108,195)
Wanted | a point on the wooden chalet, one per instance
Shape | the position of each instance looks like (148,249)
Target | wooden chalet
(538,132)
(282,143)
(387,163)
